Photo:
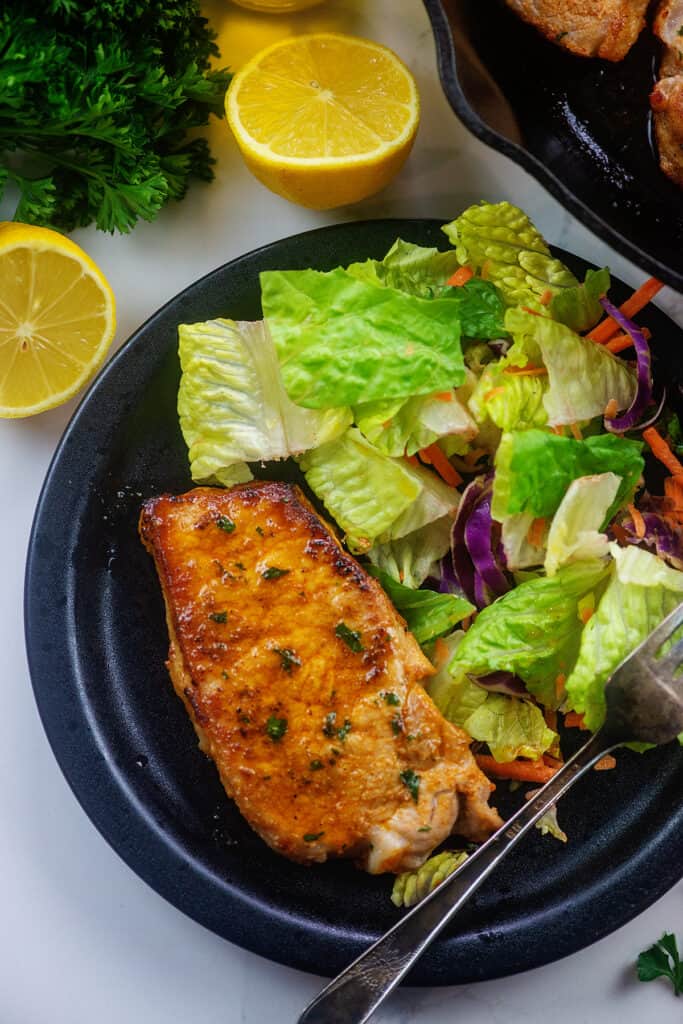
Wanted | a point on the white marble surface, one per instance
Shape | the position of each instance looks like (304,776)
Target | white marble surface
(84,940)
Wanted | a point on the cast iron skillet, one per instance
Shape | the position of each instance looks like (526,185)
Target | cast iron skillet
(97,642)
(581,127)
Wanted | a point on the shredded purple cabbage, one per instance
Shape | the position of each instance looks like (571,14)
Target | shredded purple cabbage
(661,537)
(474,564)
(501,682)
(643,396)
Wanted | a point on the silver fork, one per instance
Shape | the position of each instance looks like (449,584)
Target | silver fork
(644,702)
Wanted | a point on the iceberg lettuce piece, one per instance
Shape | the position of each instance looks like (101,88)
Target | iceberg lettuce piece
(520,553)
(574,533)
(372,496)
(232,406)
(415,556)
(642,591)
(534,468)
(399,427)
(582,376)
(533,631)
(500,238)
(428,614)
(579,308)
(343,341)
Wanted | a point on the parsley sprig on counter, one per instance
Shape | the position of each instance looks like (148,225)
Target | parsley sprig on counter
(96,100)
(662,960)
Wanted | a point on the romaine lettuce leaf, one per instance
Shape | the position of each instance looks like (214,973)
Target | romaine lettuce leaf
(232,406)
(579,308)
(409,268)
(642,591)
(512,401)
(500,239)
(533,631)
(512,728)
(412,886)
(534,468)
(582,376)
(400,426)
(427,613)
(424,272)
(414,557)
(574,533)
(372,496)
(343,341)
(520,553)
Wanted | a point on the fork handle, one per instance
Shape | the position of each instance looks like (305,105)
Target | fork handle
(354,995)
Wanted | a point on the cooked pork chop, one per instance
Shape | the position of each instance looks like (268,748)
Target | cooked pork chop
(666,98)
(302,682)
(589,28)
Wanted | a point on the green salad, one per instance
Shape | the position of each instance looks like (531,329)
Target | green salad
(476,422)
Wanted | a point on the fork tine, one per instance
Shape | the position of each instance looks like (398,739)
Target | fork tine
(662,633)
(672,659)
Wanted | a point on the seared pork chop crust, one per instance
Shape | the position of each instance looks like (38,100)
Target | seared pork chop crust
(302,682)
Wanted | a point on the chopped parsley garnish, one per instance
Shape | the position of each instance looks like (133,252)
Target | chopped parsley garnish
(350,637)
(397,725)
(276,728)
(391,698)
(425,828)
(288,658)
(225,674)
(328,725)
(223,523)
(218,616)
(273,573)
(662,961)
(344,730)
(311,837)
(238,565)
(259,530)
(315,766)
(244,718)
(411,781)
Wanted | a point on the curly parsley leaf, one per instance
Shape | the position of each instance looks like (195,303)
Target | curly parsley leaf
(96,105)
(662,960)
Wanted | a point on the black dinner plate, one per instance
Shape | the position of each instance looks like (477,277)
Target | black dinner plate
(97,641)
(582,127)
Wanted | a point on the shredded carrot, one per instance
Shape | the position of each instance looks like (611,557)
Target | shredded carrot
(611,409)
(466,623)
(525,771)
(605,763)
(559,430)
(536,531)
(673,492)
(552,762)
(624,341)
(412,460)
(484,272)
(661,451)
(573,720)
(387,424)
(546,298)
(640,298)
(560,680)
(444,396)
(638,521)
(534,312)
(586,614)
(433,456)
(576,431)
(527,371)
(620,533)
(493,392)
(441,652)
(550,719)
(461,276)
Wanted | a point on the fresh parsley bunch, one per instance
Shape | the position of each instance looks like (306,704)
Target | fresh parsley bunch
(96,102)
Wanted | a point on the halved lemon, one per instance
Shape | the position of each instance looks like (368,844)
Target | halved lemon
(325,119)
(57,319)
